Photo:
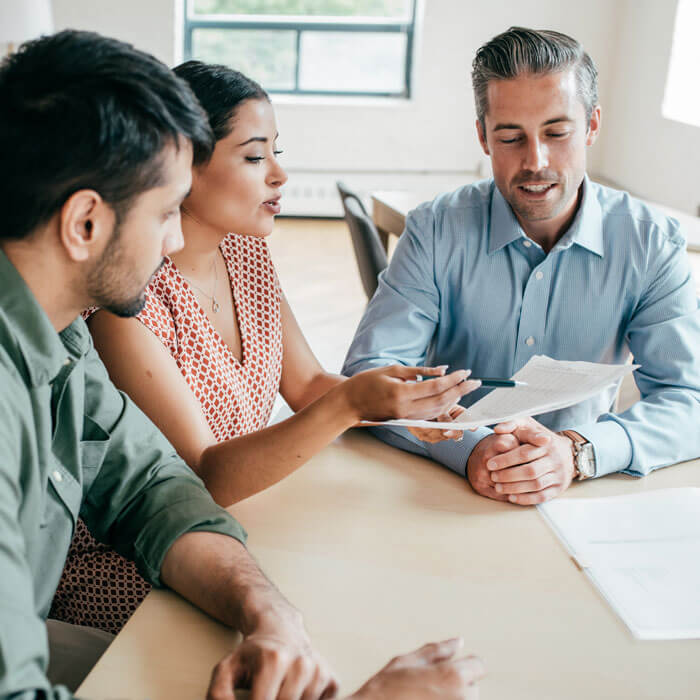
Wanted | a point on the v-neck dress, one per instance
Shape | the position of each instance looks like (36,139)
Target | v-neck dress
(99,588)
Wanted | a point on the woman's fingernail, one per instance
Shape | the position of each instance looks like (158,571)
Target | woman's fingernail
(498,488)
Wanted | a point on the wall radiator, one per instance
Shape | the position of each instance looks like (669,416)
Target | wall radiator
(313,193)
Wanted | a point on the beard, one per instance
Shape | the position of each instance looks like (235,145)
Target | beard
(534,211)
(111,278)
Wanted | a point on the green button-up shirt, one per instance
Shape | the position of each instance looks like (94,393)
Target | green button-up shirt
(72,445)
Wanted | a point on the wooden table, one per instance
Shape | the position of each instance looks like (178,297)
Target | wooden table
(389,210)
(382,551)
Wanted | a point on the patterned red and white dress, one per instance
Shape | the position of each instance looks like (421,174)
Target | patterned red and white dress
(99,588)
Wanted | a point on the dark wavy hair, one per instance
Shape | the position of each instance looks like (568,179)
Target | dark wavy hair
(81,111)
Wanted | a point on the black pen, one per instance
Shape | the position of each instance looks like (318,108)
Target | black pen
(503,383)
(485,381)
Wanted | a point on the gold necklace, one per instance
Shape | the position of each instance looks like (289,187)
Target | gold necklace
(214,303)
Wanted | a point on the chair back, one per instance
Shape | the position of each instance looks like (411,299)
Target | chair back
(344,191)
(369,251)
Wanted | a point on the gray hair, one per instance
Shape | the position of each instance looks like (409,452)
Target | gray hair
(521,50)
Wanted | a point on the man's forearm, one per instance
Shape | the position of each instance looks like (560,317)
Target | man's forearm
(450,453)
(217,574)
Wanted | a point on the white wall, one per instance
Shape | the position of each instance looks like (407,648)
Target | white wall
(434,131)
(148,24)
(652,156)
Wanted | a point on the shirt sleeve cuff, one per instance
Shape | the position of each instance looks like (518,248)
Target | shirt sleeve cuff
(193,511)
(611,445)
(456,454)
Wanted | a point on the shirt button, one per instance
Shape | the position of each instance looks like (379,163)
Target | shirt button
(67,361)
(539,275)
(530,341)
(527,244)
(57,476)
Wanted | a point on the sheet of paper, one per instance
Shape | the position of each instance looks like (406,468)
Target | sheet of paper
(551,385)
(643,554)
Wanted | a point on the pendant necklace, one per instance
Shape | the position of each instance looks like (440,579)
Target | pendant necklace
(212,297)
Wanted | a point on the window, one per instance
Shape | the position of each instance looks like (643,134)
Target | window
(682,98)
(308,47)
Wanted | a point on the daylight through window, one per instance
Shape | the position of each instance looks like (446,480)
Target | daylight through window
(682,98)
(308,47)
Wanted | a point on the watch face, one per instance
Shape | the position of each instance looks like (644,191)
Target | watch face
(586,460)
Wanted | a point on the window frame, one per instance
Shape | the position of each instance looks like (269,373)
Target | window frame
(301,23)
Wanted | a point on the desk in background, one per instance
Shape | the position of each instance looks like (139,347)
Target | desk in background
(389,211)
(383,551)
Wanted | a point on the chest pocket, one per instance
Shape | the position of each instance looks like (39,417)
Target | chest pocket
(66,488)
(93,448)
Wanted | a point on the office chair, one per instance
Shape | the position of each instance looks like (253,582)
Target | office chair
(344,191)
(369,251)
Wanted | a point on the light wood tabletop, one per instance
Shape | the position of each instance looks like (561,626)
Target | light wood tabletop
(383,551)
(389,208)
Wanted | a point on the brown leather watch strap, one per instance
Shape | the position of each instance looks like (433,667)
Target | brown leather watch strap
(576,439)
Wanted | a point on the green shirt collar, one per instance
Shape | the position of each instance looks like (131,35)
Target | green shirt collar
(36,348)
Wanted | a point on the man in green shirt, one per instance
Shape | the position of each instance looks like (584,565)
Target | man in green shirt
(96,143)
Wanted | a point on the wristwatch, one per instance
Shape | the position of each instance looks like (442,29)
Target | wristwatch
(584,455)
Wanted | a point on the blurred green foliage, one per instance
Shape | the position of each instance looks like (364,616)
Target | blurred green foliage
(333,8)
(266,56)
(270,56)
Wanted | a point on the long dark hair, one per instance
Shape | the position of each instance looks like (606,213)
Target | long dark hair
(221,91)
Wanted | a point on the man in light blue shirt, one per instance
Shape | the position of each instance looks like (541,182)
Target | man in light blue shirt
(540,260)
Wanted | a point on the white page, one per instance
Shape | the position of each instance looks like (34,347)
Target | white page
(643,554)
(552,384)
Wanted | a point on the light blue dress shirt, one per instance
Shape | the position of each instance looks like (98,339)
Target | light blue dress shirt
(467,288)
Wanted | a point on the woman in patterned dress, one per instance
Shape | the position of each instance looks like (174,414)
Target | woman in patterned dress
(216,340)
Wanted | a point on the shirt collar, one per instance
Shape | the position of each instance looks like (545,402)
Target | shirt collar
(586,229)
(27,333)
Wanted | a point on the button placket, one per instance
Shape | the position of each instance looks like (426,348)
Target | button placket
(533,314)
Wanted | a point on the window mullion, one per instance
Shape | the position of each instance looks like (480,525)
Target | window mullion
(298,62)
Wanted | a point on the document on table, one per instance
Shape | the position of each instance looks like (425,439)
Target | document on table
(643,554)
(551,385)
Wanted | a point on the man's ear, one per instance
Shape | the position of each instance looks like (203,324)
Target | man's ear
(86,224)
(482,137)
(594,126)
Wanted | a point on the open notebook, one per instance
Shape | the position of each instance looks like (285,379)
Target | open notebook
(643,554)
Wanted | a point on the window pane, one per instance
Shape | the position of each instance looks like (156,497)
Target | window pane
(352,61)
(333,8)
(682,98)
(266,56)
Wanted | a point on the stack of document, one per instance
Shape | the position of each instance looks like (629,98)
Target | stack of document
(551,385)
(643,554)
